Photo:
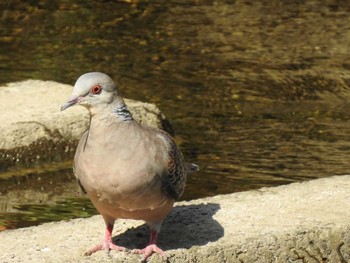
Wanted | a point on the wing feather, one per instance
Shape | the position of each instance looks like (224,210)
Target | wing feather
(174,177)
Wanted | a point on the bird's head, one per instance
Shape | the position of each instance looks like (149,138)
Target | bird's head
(91,90)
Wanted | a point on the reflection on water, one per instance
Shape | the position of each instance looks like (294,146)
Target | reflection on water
(256,91)
(33,196)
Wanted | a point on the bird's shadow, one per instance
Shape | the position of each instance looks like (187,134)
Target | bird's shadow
(185,226)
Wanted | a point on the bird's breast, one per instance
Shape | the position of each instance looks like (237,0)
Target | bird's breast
(122,169)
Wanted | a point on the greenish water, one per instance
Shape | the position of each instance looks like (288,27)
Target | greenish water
(257,91)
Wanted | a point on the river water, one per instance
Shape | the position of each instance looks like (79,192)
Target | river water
(256,91)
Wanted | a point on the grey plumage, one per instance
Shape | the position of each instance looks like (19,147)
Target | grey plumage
(128,170)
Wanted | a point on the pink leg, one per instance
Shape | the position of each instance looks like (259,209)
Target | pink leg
(151,247)
(107,243)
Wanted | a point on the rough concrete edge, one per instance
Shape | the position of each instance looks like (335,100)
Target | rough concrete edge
(318,244)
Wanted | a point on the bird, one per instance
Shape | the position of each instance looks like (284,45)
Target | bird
(128,170)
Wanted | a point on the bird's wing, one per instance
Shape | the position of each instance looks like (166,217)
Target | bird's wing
(80,148)
(174,177)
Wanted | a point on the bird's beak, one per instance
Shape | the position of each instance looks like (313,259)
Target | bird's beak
(71,101)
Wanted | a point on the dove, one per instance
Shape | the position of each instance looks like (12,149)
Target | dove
(129,171)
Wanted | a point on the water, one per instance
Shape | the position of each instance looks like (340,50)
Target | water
(257,91)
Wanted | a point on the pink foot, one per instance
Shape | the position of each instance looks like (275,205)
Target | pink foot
(152,247)
(107,244)
(148,251)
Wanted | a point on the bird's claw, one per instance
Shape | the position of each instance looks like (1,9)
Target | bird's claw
(149,250)
(108,246)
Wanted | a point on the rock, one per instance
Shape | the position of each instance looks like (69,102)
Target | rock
(34,130)
(300,222)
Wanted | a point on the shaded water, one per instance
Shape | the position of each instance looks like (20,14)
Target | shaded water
(257,91)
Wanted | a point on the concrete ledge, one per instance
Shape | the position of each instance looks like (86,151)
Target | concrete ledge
(33,130)
(300,222)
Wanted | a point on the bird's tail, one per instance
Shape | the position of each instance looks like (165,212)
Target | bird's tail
(191,168)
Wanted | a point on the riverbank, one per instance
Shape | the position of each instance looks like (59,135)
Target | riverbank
(300,222)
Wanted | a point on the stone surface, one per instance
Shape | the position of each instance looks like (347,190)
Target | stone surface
(300,222)
(34,130)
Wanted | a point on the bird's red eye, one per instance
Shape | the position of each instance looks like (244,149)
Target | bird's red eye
(96,89)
